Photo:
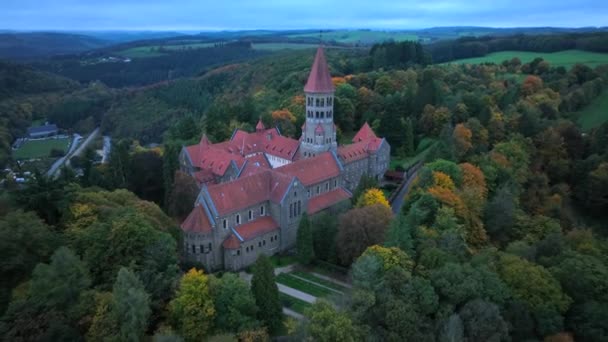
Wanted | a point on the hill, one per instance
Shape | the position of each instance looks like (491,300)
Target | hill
(18,45)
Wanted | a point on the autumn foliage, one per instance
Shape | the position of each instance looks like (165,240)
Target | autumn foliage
(371,197)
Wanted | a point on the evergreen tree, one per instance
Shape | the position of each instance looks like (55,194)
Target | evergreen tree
(130,306)
(266,293)
(408,144)
(304,241)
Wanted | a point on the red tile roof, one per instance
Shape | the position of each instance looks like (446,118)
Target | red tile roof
(319,79)
(206,157)
(231,242)
(257,227)
(352,152)
(312,170)
(247,191)
(197,221)
(260,126)
(255,164)
(364,133)
(326,200)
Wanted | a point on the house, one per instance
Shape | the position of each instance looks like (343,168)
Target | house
(255,187)
(42,131)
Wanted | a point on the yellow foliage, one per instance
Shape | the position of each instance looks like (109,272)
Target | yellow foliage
(442,180)
(391,257)
(472,177)
(338,80)
(372,196)
(283,115)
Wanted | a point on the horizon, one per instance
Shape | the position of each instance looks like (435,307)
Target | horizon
(245,15)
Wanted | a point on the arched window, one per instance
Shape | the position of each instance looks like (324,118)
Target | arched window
(317,103)
(322,102)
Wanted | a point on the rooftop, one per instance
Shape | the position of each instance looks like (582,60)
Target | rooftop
(319,79)
(327,199)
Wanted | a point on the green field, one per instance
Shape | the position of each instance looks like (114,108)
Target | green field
(361,36)
(596,113)
(294,304)
(302,285)
(318,280)
(152,50)
(282,46)
(40,148)
(566,58)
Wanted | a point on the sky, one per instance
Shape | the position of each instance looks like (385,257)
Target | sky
(192,15)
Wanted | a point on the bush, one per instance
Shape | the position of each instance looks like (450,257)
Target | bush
(56,153)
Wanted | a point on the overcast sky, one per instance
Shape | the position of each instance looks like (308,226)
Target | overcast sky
(295,14)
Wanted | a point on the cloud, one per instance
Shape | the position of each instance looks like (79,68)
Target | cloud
(294,14)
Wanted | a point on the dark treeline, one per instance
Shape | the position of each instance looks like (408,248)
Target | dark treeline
(151,70)
(466,47)
(392,55)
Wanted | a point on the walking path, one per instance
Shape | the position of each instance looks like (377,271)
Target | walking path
(335,281)
(293,314)
(296,293)
(400,198)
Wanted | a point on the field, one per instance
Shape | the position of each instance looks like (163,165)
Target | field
(40,148)
(361,36)
(566,58)
(596,113)
(302,285)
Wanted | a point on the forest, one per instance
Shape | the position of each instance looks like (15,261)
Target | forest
(502,237)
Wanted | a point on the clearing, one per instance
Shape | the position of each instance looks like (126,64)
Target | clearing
(566,58)
(596,113)
(40,148)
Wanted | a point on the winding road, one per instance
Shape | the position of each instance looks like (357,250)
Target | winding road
(400,198)
(55,170)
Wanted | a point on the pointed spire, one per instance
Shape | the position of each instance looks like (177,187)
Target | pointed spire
(260,126)
(319,80)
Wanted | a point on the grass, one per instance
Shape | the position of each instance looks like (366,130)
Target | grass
(566,58)
(318,280)
(293,303)
(304,286)
(40,148)
(282,46)
(596,113)
(152,50)
(361,36)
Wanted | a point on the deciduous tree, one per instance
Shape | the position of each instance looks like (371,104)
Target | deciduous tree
(192,310)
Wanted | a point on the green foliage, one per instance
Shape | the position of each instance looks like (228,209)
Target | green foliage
(327,324)
(304,241)
(130,306)
(235,308)
(266,294)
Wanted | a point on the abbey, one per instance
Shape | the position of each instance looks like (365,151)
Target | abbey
(255,187)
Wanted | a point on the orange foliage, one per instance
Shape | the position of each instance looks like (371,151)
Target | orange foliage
(499,159)
(283,115)
(531,85)
(472,177)
(560,337)
(297,100)
(462,139)
(449,198)
(338,80)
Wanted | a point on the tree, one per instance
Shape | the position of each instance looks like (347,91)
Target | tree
(483,322)
(192,310)
(182,196)
(401,234)
(408,143)
(130,306)
(372,196)
(235,308)
(266,294)
(25,240)
(327,324)
(462,139)
(324,233)
(360,228)
(531,85)
(304,241)
(365,182)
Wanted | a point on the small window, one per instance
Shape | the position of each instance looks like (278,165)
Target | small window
(238,218)
(201,249)
(210,247)
(271,238)
(335,183)
(326,186)
(247,249)
(250,214)
(224,224)
(318,189)
(193,249)
(251,247)
(262,210)
(264,243)
(295,194)
(308,193)
(259,243)
(238,252)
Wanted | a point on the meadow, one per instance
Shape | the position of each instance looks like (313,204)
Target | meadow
(361,36)
(152,50)
(40,148)
(566,58)
(595,114)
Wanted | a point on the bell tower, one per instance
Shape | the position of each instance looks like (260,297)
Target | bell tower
(319,131)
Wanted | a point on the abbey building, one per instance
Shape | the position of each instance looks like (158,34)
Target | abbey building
(255,187)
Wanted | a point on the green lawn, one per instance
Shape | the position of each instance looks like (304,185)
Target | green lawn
(361,36)
(304,286)
(318,280)
(282,46)
(294,304)
(40,148)
(596,113)
(562,58)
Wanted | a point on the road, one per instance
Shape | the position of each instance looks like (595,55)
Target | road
(400,198)
(57,164)
(56,168)
(107,147)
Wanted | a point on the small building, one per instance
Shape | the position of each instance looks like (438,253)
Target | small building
(42,131)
